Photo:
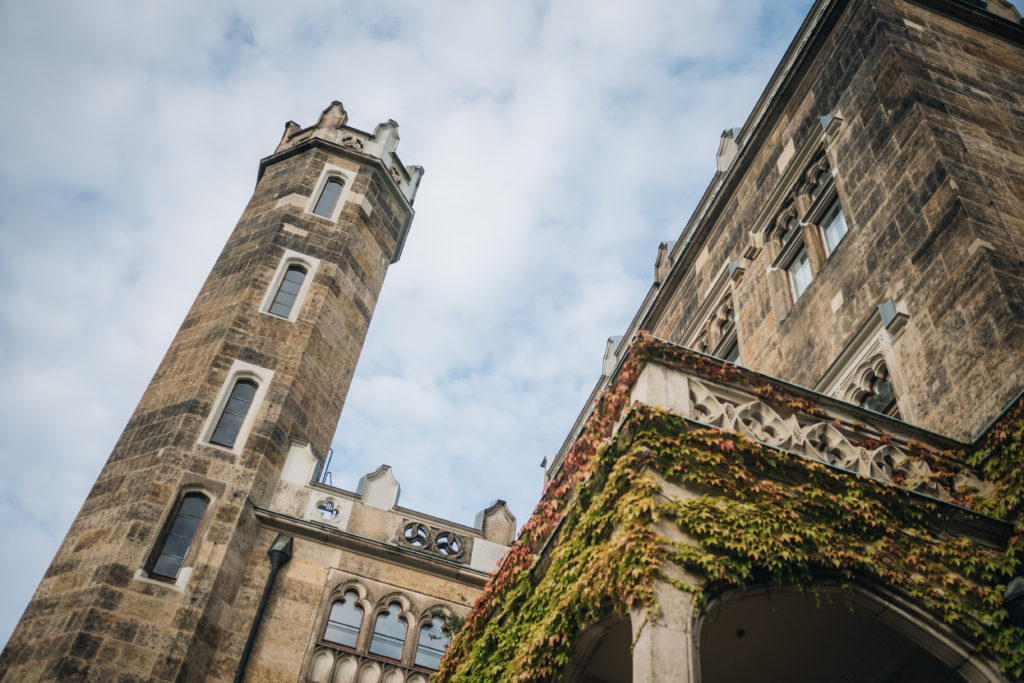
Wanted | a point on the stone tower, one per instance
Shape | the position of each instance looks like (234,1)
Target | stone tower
(146,584)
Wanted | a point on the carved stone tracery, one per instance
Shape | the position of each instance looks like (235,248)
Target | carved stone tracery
(716,327)
(820,440)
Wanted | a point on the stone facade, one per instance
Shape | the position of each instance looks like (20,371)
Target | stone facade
(259,364)
(922,143)
(852,274)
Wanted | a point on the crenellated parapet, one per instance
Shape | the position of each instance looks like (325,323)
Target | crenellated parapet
(381,144)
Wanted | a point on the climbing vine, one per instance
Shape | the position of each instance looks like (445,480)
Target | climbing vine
(765,518)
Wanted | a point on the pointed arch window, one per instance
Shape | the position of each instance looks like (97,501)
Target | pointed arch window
(177,537)
(432,643)
(329,197)
(389,633)
(231,419)
(345,620)
(288,291)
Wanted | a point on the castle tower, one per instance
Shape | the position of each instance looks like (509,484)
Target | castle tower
(146,583)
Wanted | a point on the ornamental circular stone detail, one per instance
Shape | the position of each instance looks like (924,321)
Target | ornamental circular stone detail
(447,543)
(416,535)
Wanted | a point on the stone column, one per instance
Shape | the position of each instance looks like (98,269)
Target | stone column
(665,645)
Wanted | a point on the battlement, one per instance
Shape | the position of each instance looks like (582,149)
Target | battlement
(381,144)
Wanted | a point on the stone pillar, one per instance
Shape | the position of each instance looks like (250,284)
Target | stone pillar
(665,645)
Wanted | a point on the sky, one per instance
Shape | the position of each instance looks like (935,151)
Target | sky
(562,142)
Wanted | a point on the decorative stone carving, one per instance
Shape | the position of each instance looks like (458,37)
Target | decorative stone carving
(352,141)
(441,542)
(820,440)
(786,221)
(816,176)
(320,671)
(346,670)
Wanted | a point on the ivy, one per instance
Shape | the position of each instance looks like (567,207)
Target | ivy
(765,518)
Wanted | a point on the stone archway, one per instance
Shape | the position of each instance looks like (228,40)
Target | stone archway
(603,654)
(830,636)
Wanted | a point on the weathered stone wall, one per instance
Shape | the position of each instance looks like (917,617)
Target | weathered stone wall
(929,167)
(93,616)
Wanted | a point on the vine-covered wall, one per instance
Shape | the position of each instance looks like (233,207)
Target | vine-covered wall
(765,518)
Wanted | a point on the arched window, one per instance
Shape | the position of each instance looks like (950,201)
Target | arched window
(432,643)
(230,422)
(291,283)
(389,633)
(880,396)
(328,198)
(177,537)
(345,620)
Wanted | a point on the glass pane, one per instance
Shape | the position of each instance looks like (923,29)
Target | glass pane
(328,198)
(883,399)
(835,227)
(185,526)
(799,274)
(732,354)
(281,310)
(432,644)
(194,506)
(344,622)
(295,274)
(290,287)
(224,437)
(237,406)
(244,388)
(230,421)
(285,298)
(389,633)
(167,566)
(176,546)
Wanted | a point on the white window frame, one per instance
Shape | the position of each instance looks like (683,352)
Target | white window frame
(185,573)
(239,370)
(290,258)
(347,178)
(823,228)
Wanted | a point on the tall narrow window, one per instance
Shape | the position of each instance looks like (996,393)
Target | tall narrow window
(291,283)
(178,536)
(833,227)
(344,621)
(432,643)
(389,633)
(328,198)
(230,422)
(799,271)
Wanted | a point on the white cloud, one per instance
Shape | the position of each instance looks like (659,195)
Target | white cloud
(562,142)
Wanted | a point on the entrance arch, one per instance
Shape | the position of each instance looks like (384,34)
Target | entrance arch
(830,635)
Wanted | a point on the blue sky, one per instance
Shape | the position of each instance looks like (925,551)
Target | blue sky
(562,142)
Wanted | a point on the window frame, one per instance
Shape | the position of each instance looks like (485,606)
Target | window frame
(347,178)
(233,396)
(794,246)
(384,609)
(296,281)
(823,228)
(428,621)
(358,603)
(240,370)
(289,259)
(185,568)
